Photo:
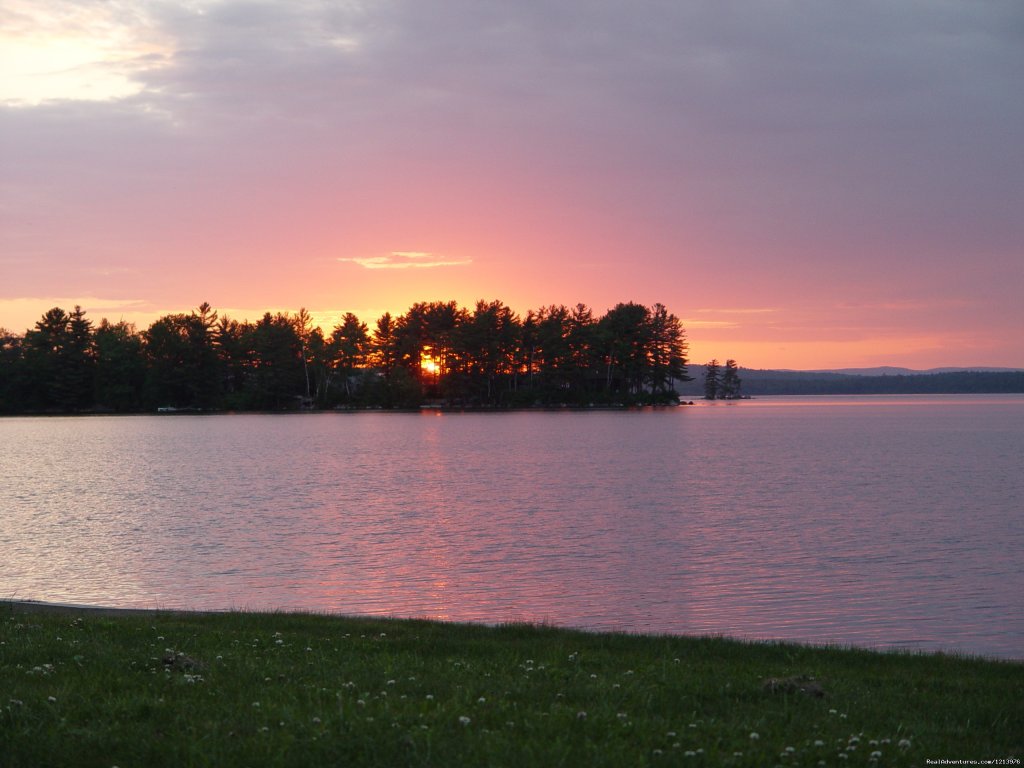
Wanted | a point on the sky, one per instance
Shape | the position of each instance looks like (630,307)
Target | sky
(805,183)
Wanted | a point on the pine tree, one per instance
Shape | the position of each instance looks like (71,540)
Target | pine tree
(712,382)
(729,388)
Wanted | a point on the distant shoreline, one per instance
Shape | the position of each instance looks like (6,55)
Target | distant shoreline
(426,408)
(452,409)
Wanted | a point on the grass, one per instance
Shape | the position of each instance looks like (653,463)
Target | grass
(243,689)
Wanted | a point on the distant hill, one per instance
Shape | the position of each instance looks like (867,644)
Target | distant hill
(888,370)
(867,381)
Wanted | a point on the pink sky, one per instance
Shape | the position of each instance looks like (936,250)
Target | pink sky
(808,185)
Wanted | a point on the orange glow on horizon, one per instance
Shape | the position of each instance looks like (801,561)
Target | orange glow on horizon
(785,339)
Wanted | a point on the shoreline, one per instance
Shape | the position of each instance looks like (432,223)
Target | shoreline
(40,606)
(28,607)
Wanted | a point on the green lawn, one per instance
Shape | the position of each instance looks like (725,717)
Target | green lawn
(83,689)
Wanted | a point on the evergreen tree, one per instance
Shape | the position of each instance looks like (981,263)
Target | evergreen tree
(12,372)
(202,330)
(349,350)
(79,363)
(396,385)
(183,365)
(120,366)
(626,334)
(383,351)
(583,337)
(526,352)
(666,354)
(486,344)
(553,356)
(318,365)
(278,372)
(730,384)
(303,328)
(712,380)
(58,362)
(235,361)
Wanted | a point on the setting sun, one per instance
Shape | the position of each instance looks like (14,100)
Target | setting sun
(428,363)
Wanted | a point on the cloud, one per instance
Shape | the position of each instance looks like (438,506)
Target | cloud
(691,324)
(737,311)
(80,51)
(405,260)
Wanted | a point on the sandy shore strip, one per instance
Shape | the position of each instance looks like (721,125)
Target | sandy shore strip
(37,606)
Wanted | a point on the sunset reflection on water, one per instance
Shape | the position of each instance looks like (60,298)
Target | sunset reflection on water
(881,525)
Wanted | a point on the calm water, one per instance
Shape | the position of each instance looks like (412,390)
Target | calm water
(882,522)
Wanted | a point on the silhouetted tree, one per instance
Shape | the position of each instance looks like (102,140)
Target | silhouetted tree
(666,353)
(485,344)
(553,356)
(120,366)
(626,338)
(183,365)
(526,352)
(730,384)
(318,365)
(12,373)
(712,380)
(235,359)
(76,390)
(349,350)
(303,328)
(428,330)
(58,361)
(396,383)
(277,378)
(583,339)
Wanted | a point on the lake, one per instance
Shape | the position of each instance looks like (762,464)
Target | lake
(883,522)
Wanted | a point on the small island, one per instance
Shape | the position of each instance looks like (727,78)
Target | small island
(437,354)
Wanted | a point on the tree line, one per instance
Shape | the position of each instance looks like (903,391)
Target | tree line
(438,352)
